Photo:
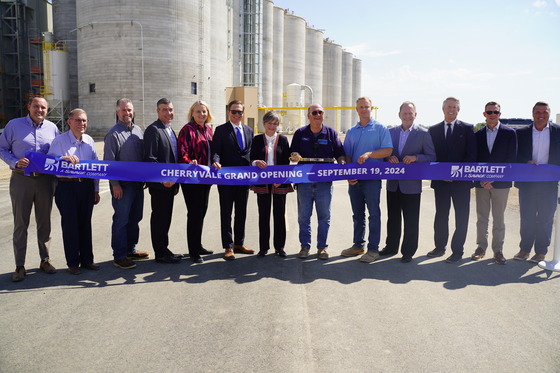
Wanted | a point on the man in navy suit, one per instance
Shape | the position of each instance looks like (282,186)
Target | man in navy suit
(411,143)
(496,143)
(160,145)
(231,146)
(538,143)
(454,141)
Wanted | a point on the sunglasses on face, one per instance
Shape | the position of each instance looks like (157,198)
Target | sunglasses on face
(317,112)
(236,112)
(489,112)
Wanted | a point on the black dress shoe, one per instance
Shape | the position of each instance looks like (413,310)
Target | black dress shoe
(387,252)
(197,259)
(406,259)
(169,259)
(436,253)
(91,266)
(262,253)
(203,251)
(281,253)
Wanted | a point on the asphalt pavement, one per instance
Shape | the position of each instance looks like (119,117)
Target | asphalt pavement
(273,314)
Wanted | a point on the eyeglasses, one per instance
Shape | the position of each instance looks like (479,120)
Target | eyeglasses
(273,123)
(236,112)
(489,112)
(317,112)
(79,120)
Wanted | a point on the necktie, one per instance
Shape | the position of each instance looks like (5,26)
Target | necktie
(173,140)
(239,138)
(448,136)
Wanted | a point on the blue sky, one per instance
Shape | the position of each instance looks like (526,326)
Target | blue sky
(424,51)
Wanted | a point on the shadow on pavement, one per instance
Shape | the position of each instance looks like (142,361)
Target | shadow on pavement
(247,269)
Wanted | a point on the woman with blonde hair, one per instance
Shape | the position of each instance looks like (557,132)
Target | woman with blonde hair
(194,144)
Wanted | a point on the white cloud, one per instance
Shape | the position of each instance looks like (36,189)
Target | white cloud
(366,50)
(558,2)
(519,73)
(541,3)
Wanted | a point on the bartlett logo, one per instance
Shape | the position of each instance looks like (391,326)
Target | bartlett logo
(456,171)
(51,165)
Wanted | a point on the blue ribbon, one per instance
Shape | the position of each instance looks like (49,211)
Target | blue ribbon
(306,173)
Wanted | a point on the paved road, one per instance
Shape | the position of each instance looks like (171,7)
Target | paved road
(274,315)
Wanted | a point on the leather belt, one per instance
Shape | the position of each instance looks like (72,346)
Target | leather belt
(78,179)
(18,171)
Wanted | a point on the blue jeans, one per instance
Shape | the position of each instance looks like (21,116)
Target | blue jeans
(307,194)
(128,213)
(537,205)
(366,193)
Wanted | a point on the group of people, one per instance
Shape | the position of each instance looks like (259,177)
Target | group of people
(234,144)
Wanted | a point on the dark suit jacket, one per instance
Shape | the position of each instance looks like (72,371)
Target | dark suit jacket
(225,148)
(419,143)
(281,157)
(463,148)
(525,147)
(157,148)
(503,151)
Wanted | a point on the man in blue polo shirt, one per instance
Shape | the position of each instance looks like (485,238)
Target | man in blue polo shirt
(321,144)
(367,141)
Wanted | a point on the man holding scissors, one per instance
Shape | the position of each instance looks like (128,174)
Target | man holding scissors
(315,143)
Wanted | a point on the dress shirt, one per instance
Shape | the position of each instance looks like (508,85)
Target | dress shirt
(491,136)
(403,136)
(68,144)
(240,126)
(541,144)
(22,135)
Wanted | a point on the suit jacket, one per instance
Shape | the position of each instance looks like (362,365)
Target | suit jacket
(525,147)
(281,157)
(504,150)
(419,143)
(158,148)
(225,148)
(463,146)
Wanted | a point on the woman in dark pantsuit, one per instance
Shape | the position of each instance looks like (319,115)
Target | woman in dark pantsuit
(267,149)
(194,148)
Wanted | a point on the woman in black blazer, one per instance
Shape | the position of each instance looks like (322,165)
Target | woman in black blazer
(267,149)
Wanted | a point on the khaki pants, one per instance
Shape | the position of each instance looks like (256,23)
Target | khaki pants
(26,191)
(495,200)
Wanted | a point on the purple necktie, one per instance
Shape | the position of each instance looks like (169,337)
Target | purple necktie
(239,138)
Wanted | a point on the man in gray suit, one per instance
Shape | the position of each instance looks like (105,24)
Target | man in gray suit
(411,143)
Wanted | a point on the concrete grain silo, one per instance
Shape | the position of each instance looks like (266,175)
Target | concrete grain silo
(267,53)
(332,75)
(64,25)
(346,91)
(294,49)
(356,83)
(278,58)
(160,50)
(314,64)
(220,69)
